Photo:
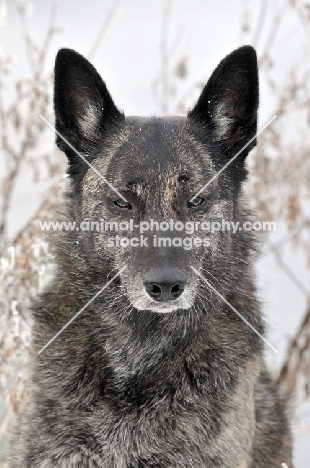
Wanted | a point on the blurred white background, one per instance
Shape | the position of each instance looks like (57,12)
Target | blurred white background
(154,56)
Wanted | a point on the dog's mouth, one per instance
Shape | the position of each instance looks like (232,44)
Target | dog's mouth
(161,307)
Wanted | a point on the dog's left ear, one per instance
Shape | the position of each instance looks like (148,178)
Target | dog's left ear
(84,108)
(228,104)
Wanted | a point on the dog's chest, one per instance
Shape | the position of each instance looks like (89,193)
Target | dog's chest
(177,432)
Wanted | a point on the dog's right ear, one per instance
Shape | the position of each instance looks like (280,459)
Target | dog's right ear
(83,105)
(228,103)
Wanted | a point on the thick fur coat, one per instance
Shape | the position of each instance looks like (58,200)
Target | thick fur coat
(157,371)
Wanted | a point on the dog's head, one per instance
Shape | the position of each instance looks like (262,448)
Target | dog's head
(152,187)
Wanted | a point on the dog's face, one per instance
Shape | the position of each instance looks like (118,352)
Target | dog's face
(146,174)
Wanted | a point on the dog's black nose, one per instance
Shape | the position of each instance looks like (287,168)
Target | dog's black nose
(164,284)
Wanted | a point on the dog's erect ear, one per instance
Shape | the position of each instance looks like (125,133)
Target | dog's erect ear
(83,105)
(228,104)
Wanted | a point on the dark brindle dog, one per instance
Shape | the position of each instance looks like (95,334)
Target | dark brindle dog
(158,371)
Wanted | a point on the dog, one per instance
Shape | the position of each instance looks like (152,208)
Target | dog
(157,370)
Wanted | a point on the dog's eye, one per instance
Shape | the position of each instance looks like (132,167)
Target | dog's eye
(123,204)
(196,202)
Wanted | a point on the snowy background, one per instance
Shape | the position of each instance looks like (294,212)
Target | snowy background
(129,55)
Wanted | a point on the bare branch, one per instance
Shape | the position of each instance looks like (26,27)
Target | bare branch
(105,28)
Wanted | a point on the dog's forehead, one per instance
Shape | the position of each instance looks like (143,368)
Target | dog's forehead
(156,138)
(158,146)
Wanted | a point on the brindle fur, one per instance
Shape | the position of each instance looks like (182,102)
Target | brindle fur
(125,386)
